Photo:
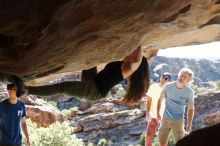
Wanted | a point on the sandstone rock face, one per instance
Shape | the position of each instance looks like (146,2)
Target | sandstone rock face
(42,113)
(207,111)
(41,38)
(212,119)
(109,120)
(124,124)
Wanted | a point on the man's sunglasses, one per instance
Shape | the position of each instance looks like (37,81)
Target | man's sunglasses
(164,77)
(11,89)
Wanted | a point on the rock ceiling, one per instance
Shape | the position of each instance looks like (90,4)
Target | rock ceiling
(45,37)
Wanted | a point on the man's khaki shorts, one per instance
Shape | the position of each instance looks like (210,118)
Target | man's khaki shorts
(177,127)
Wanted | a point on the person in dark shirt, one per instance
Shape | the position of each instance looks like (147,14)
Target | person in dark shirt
(12,113)
(134,67)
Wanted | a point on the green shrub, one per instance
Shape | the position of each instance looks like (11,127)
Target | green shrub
(57,134)
(117,94)
(198,90)
(90,143)
(113,139)
(142,139)
(53,103)
(102,142)
(67,112)
(218,85)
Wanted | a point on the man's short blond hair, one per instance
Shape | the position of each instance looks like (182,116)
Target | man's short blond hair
(186,70)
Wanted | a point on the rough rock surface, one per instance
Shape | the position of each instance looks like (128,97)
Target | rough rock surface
(207,112)
(40,112)
(123,124)
(110,120)
(40,38)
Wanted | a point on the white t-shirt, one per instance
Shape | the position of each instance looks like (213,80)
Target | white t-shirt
(154,92)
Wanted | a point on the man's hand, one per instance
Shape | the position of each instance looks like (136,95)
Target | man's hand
(24,129)
(158,118)
(28,142)
(190,116)
(148,117)
(162,96)
(188,129)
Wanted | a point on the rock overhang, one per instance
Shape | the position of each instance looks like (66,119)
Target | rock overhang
(41,38)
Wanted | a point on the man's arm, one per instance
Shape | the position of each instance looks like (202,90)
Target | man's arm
(162,96)
(190,115)
(24,129)
(148,106)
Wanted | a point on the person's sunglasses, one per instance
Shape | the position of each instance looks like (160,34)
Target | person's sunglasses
(165,77)
(11,89)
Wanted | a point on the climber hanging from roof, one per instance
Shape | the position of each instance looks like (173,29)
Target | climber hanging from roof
(133,67)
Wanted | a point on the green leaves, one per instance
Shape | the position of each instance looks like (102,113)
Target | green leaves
(57,134)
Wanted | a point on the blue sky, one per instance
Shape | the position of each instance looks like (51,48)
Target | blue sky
(203,51)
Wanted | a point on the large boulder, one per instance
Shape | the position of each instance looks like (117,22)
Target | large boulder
(40,112)
(45,37)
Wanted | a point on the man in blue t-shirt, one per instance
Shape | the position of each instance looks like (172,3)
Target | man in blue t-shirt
(12,114)
(177,96)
